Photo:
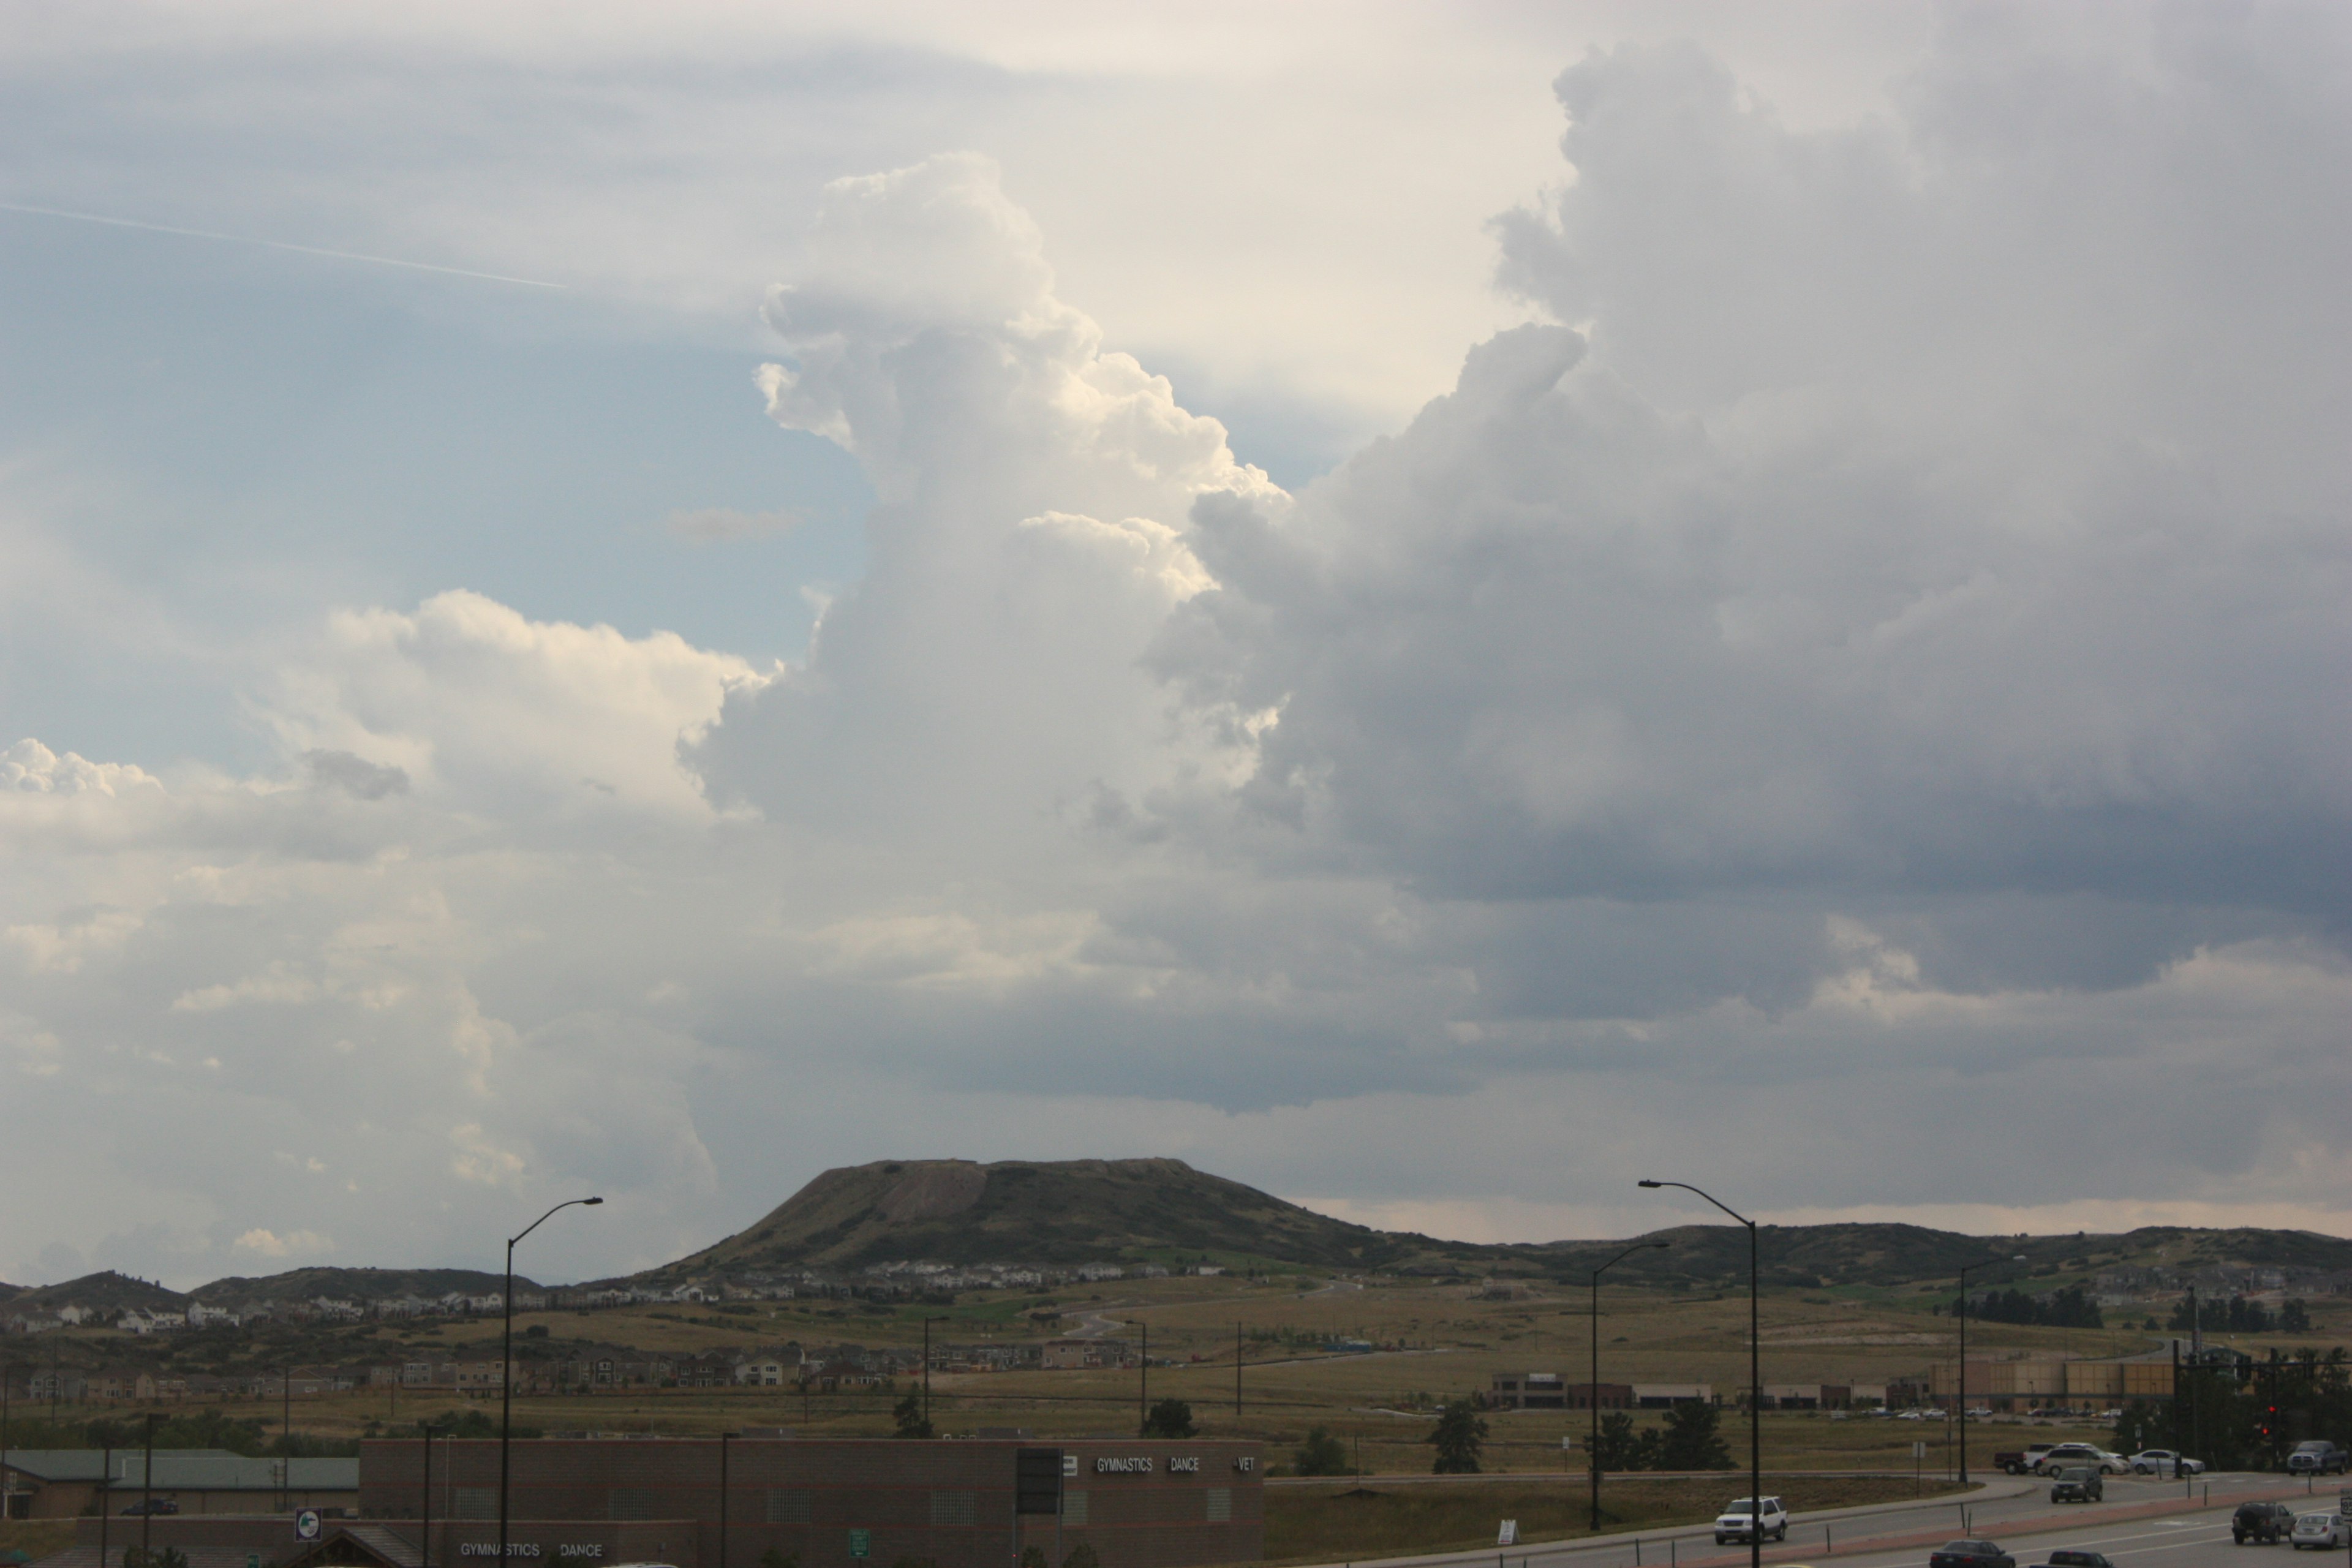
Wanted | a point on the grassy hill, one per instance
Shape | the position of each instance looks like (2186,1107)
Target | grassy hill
(1064,1212)
(352,1285)
(1127,1211)
(107,1291)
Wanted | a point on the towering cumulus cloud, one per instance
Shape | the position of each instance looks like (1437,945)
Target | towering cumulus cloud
(1028,542)
(1867,655)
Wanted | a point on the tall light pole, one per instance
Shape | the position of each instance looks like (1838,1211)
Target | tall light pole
(1755,1378)
(7,1373)
(1593,1388)
(506,1366)
(927,1371)
(1980,1263)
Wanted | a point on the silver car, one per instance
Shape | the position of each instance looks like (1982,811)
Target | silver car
(2320,1528)
(2165,1462)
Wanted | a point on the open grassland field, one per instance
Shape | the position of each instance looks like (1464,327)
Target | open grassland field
(1346,1520)
(1437,1341)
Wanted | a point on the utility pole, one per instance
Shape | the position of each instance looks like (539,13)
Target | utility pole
(1143,1389)
(927,1368)
(724,1439)
(425,1535)
(147,1489)
(105,1498)
(7,1375)
(1237,1374)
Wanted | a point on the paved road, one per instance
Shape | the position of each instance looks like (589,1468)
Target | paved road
(2151,1524)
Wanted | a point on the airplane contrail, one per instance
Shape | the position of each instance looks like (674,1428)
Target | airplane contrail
(276,245)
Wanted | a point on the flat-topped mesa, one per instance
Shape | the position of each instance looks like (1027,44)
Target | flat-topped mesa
(1053,1212)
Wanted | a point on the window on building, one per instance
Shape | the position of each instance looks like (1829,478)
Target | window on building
(1220,1500)
(1074,1508)
(636,1502)
(787,1507)
(477,1502)
(952,1507)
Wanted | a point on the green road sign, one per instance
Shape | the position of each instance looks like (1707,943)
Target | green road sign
(861,1543)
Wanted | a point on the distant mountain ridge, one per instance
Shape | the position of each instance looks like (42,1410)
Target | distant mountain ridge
(1066,1213)
(354,1285)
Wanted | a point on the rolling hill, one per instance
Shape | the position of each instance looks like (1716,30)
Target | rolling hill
(1066,1212)
(1080,1211)
(352,1285)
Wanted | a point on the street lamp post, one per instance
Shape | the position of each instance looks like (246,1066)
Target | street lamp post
(506,1366)
(927,1371)
(1592,1390)
(1755,1378)
(1980,1263)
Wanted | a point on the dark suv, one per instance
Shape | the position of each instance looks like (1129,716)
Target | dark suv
(2078,1483)
(2267,1522)
(1970,1555)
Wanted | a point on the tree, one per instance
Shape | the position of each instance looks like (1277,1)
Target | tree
(2295,1316)
(1034,1557)
(1082,1555)
(1690,1441)
(1460,1434)
(1617,1447)
(1169,1418)
(908,1413)
(1320,1454)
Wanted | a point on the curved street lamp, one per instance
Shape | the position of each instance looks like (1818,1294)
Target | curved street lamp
(506,1366)
(1593,1390)
(1754,1379)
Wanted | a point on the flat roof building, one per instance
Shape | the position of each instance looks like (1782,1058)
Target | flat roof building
(833,1503)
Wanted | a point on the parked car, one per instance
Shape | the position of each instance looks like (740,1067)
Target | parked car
(2266,1523)
(157,1506)
(2079,1483)
(2165,1462)
(2317,1457)
(1970,1555)
(1740,1519)
(2022,1462)
(2061,1455)
(2320,1527)
(2071,1558)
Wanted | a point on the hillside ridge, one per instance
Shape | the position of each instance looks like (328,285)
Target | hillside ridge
(1066,1213)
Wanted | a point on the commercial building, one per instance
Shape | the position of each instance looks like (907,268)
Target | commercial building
(703,1503)
(61,1483)
(1547,1391)
(2026,1382)
(1665,1395)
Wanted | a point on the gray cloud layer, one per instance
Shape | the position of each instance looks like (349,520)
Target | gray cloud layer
(1869,658)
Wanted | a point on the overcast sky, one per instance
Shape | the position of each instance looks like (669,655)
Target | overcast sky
(1433,608)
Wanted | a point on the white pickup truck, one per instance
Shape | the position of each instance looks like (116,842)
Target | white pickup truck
(1741,1519)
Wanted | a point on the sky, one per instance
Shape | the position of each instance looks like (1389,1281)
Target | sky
(1436,609)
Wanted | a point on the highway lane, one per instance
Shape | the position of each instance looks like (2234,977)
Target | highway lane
(2163,1518)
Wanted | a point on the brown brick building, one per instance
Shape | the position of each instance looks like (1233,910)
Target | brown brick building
(1139,1504)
